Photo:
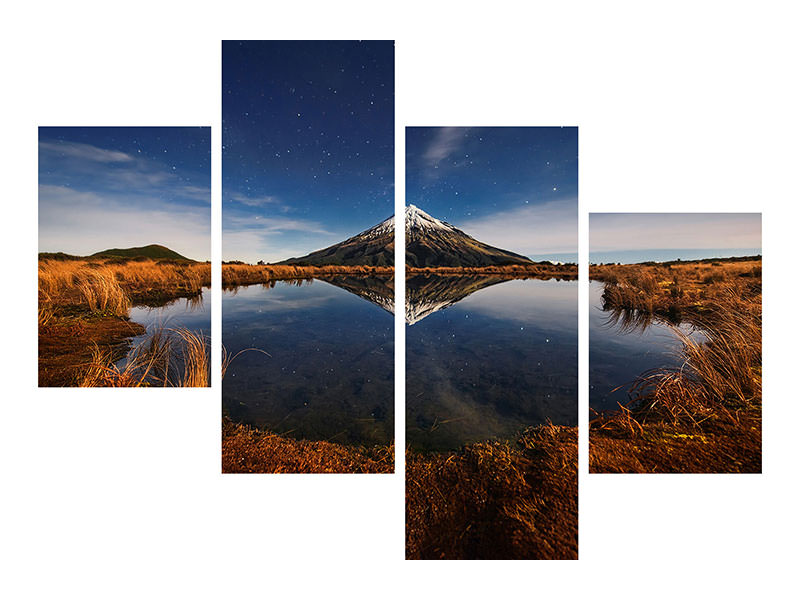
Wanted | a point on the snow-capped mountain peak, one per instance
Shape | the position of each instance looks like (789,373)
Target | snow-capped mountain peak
(383,228)
(420,220)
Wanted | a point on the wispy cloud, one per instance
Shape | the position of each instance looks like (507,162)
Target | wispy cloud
(83,166)
(272,238)
(256,201)
(446,142)
(84,152)
(92,198)
(535,229)
(106,221)
(273,224)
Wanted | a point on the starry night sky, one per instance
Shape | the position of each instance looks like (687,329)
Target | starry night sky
(512,187)
(308,144)
(107,187)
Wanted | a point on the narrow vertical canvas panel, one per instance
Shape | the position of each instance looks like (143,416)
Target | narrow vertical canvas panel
(491,343)
(308,257)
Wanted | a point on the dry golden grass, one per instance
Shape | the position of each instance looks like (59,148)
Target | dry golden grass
(111,285)
(83,321)
(569,271)
(246,449)
(493,500)
(167,358)
(242,274)
(716,387)
(677,290)
(102,293)
(720,447)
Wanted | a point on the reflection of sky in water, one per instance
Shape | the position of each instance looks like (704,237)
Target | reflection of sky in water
(330,373)
(617,356)
(496,362)
(553,302)
(190,313)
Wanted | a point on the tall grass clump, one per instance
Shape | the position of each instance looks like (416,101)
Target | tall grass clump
(718,376)
(100,284)
(167,358)
(196,367)
(102,293)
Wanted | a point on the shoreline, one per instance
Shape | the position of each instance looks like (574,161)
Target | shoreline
(236,274)
(248,449)
(704,417)
(84,308)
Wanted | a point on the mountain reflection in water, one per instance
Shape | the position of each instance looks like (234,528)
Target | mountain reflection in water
(330,370)
(501,357)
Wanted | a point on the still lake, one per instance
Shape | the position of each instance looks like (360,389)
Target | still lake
(620,350)
(190,313)
(486,358)
(330,370)
(193,314)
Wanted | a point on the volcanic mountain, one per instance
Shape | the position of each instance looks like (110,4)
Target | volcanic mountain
(429,243)
(434,243)
(374,247)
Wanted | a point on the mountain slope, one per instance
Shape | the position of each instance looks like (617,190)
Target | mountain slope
(429,243)
(434,243)
(154,251)
(374,247)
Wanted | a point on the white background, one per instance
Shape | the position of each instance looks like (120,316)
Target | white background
(689,106)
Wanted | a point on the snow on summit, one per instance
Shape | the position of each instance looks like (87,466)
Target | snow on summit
(419,219)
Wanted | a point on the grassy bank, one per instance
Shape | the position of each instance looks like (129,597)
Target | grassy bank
(495,500)
(84,327)
(705,415)
(246,449)
(568,271)
(235,274)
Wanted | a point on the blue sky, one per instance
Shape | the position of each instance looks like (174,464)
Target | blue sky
(639,237)
(308,144)
(512,187)
(119,187)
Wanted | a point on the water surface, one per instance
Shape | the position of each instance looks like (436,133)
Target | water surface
(193,314)
(622,346)
(487,357)
(330,370)
(190,313)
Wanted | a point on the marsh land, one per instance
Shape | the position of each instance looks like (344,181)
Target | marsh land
(700,411)
(86,333)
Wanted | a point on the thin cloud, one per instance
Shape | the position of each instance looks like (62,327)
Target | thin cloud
(84,152)
(547,228)
(118,221)
(256,201)
(446,142)
(273,224)
(76,165)
(272,238)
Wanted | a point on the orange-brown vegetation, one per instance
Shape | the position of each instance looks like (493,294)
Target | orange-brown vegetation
(246,449)
(84,327)
(235,274)
(111,285)
(679,289)
(495,500)
(567,271)
(715,393)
